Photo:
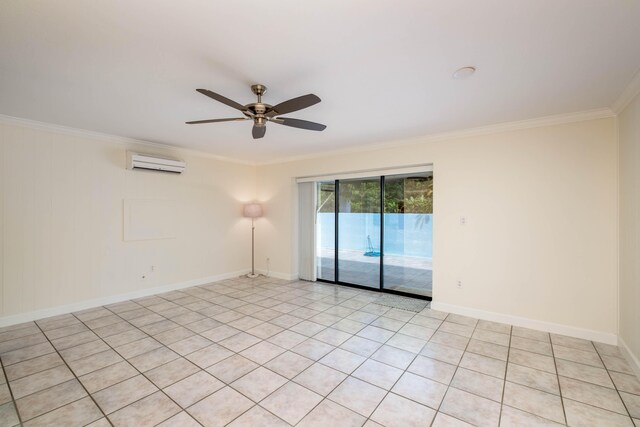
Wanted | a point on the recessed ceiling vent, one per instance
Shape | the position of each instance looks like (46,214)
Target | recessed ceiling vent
(154,163)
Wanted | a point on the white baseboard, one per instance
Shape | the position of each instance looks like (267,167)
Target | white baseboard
(98,302)
(631,358)
(540,325)
(277,275)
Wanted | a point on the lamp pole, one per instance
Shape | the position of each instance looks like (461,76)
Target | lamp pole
(253,228)
(253,211)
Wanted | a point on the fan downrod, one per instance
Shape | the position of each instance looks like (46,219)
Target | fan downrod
(259,90)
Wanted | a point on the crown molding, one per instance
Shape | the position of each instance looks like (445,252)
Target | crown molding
(557,119)
(65,130)
(628,94)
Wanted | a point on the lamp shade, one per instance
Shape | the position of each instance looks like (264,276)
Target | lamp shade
(252,210)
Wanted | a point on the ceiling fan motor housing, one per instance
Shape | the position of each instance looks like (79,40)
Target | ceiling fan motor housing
(259,108)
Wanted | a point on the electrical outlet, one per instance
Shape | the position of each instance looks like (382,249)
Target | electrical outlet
(268,260)
(459,284)
(153,268)
(463,220)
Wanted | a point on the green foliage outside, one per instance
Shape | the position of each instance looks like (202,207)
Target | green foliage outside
(401,195)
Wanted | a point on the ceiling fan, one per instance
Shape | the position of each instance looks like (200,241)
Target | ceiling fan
(262,113)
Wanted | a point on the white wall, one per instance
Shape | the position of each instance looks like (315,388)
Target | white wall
(61,220)
(540,242)
(629,137)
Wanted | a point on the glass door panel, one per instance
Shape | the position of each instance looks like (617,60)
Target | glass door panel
(326,230)
(359,232)
(408,233)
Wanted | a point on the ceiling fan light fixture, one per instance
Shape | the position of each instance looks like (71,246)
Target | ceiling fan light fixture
(464,73)
(262,113)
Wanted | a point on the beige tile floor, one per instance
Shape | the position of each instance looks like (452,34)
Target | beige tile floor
(265,352)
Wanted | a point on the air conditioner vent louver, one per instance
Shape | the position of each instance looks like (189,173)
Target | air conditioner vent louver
(155,163)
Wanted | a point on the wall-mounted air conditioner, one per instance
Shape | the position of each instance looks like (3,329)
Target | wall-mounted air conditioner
(154,163)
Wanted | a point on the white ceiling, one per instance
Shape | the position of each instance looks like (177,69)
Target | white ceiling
(382,68)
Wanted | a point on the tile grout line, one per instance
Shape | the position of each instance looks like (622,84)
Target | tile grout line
(285,350)
(405,322)
(13,400)
(167,300)
(139,372)
(74,375)
(338,303)
(506,368)
(116,351)
(351,376)
(366,359)
(404,370)
(335,347)
(555,364)
(557,376)
(437,411)
(135,327)
(534,388)
(205,369)
(613,382)
(456,370)
(318,361)
(307,319)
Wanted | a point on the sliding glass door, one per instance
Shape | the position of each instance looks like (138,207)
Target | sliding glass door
(326,231)
(408,233)
(376,232)
(359,232)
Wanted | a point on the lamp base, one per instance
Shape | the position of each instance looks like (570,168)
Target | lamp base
(252,276)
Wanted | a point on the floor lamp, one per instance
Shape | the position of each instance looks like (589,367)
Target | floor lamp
(253,211)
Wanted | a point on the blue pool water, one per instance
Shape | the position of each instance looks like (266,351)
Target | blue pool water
(404,234)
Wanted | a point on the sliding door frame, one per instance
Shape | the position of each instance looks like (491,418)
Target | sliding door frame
(336,275)
(382,232)
(336,213)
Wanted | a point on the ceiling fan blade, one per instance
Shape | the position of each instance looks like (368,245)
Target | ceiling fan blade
(258,132)
(294,104)
(197,122)
(297,123)
(222,99)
